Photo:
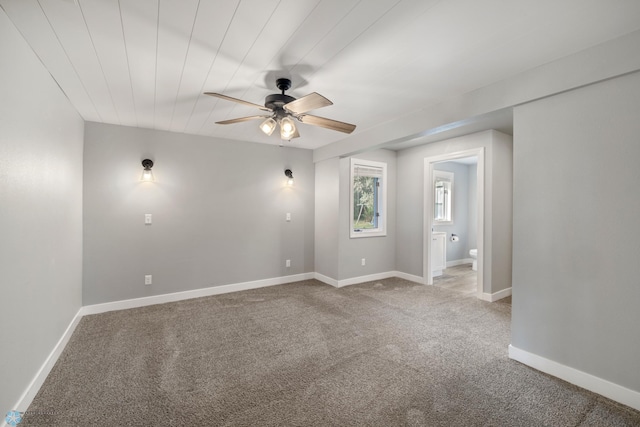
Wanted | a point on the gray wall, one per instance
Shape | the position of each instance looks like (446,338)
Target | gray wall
(327,208)
(218,212)
(576,234)
(497,213)
(457,250)
(473,208)
(379,252)
(499,221)
(40,214)
(337,255)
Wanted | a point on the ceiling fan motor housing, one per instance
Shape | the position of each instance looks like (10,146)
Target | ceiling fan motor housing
(276,101)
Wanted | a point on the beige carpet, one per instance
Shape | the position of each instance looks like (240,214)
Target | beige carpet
(387,353)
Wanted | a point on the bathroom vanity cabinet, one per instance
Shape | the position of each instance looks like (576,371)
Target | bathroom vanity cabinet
(438,253)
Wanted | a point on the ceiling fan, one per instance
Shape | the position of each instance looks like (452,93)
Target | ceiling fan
(284,108)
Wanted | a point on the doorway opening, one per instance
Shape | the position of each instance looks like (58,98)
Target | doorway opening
(453,241)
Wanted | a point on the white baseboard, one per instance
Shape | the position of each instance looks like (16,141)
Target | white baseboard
(592,383)
(326,279)
(32,389)
(456,262)
(368,278)
(409,277)
(195,293)
(496,295)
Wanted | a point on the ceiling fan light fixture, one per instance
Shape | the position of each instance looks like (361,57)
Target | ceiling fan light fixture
(283,109)
(287,128)
(268,126)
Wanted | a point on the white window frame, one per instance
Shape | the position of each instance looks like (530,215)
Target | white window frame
(449,176)
(381,230)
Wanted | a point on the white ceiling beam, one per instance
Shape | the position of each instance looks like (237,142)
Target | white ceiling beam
(607,60)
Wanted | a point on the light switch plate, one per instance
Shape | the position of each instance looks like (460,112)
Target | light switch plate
(147,219)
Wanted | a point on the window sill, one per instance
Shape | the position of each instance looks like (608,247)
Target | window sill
(360,234)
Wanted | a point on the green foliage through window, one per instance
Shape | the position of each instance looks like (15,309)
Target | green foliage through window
(368,194)
(365,194)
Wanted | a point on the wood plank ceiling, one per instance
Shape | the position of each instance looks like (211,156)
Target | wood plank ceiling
(146,63)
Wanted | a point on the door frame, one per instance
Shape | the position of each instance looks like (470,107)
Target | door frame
(428,209)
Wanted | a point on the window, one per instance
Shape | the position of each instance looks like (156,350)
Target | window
(368,198)
(442,198)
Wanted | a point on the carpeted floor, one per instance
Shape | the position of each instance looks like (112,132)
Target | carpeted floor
(387,353)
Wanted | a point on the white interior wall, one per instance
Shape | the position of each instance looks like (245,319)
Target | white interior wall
(473,207)
(497,232)
(500,221)
(339,257)
(576,233)
(379,252)
(219,213)
(327,214)
(40,214)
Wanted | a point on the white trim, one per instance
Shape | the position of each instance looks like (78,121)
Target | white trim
(368,278)
(195,293)
(32,389)
(409,277)
(456,262)
(382,204)
(428,218)
(326,279)
(496,295)
(582,379)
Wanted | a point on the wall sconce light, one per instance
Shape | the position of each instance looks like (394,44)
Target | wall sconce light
(289,175)
(147,174)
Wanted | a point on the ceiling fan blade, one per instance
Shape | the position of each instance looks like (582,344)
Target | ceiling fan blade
(240,119)
(327,123)
(307,103)
(239,101)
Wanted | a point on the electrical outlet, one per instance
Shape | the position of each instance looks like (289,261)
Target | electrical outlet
(288,217)
(287,263)
(364,261)
(147,279)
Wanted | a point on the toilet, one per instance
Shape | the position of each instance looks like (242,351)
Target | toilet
(474,255)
